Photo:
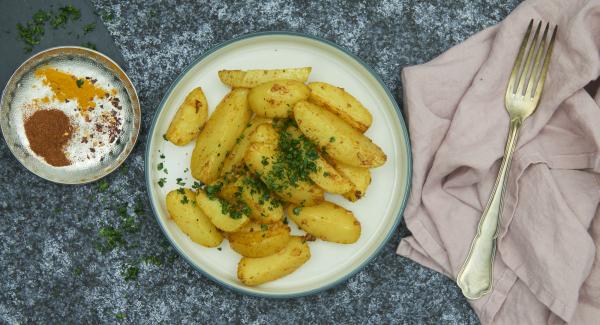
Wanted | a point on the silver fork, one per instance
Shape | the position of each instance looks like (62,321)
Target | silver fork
(521,99)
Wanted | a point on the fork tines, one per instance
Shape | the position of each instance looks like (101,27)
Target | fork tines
(528,76)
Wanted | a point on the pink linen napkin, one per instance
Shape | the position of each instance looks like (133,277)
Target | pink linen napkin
(546,269)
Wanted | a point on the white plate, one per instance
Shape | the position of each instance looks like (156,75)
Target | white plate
(379,211)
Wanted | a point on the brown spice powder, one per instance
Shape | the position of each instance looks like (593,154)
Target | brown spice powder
(48,131)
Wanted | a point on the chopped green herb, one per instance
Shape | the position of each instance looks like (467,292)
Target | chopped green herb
(264,227)
(166,171)
(124,170)
(326,174)
(185,200)
(285,220)
(103,185)
(180,181)
(162,181)
(212,190)
(219,248)
(296,210)
(165,137)
(160,166)
(138,209)
(79,83)
(107,15)
(120,316)
(87,28)
(197,185)
(153,259)
(90,46)
(78,271)
(332,139)
(181,190)
(131,273)
(112,239)
(186,170)
(162,156)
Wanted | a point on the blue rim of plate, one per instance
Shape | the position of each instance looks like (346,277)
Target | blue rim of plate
(408,184)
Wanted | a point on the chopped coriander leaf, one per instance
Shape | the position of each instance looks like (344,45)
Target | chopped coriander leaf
(219,248)
(296,210)
(103,185)
(186,170)
(138,209)
(185,200)
(212,190)
(112,237)
(40,17)
(166,171)
(180,181)
(107,15)
(87,28)
(124,170)
(160,166)
(120,316)
(332,139)
(162,156)
(78,270)
(326,174)
(90,46)
(153,259)
(131,273)
(264,161)
(79,83)
(264,227)
(181,190)
(197,185)
(165,137)
(162,181)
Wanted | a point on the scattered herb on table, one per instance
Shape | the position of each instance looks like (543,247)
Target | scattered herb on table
(131,273)
(153,259)
(88,28)
(112,237)
(106,15)
(31,32)
(90,46)
(103,185)
(120,316)
(78,271)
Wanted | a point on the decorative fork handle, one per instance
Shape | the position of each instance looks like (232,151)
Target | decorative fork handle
(475,276)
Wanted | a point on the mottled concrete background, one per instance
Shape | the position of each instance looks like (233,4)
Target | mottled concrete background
(52,270)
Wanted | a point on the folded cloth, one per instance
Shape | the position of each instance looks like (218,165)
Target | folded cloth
(547,269)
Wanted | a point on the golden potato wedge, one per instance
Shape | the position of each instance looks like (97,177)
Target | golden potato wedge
(325,176)
(236,155)
(275,99)
(259,240)
(253,78)
(326,221)
(265,133)
(189,119)
(261,158)
(219,135)
(264,206)
(253,271)
(183,209)
(359,177)
(341,103)
(336,137)
(221,213)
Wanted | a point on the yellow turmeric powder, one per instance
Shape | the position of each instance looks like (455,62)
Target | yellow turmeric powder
(66,87)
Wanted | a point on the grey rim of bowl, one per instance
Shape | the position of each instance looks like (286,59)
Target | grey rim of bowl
(135,102)
(407,183)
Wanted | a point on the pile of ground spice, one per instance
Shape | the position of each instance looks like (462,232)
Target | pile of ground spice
(67,87)
(48,132)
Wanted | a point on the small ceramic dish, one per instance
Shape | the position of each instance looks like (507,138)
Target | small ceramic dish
(100,140)
(379,212)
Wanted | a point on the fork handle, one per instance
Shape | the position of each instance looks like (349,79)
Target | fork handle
(475,276)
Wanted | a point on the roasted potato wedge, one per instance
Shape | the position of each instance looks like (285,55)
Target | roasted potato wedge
(340,140)
(325,176)
(218,214)
(275,99)
(264,206)
(326,221)
(259,240)
(189,119)
(183,209)
(253,78)
(358,176)
(219,135)
(236,156)
(265,134)
(261,158)
(253,271)
(341,103)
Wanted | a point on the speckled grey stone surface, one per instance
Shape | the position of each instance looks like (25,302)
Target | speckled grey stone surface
(51,269)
